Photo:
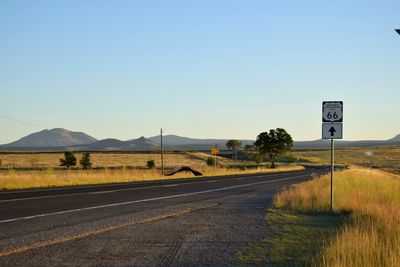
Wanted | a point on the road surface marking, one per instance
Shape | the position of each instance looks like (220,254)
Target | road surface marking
(102,230)
(101,192)
(169,185)
(150,199)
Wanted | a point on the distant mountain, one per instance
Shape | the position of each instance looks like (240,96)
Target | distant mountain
(323,143)
(395,139)
(140,144)
(186,143)
(61,140)
(53,138)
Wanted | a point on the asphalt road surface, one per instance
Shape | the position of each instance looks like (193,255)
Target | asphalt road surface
(189,222)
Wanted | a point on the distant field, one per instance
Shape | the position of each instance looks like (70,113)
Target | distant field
(387,158)
(29,170)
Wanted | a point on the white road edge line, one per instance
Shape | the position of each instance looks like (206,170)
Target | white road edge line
(149,199)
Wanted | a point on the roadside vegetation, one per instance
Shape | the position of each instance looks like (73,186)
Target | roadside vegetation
(385,158)
(14,179)
(365,230)
(103,160)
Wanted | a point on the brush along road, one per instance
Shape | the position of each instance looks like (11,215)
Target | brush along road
(201,221)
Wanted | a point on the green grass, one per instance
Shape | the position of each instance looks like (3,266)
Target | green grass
(295,239)
(366,201)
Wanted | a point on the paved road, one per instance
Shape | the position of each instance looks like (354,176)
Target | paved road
(190,222)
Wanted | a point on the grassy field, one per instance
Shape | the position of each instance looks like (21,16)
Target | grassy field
(12,179)
(386,158)
(26,170)
(366,201)
(135,160)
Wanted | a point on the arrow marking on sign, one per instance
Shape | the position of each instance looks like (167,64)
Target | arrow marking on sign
(332,131)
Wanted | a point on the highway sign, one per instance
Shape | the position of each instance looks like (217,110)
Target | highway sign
(332,111)
(214,151)
(332,130)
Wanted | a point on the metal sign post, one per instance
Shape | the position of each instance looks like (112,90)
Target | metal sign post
(162,152)
(332,128)
(332,169)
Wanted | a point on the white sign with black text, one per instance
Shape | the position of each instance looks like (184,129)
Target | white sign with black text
(332,111)
(332,130)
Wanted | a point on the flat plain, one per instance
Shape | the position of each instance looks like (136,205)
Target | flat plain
(385,158)
(32,170)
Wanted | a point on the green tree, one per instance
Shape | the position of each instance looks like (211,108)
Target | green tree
(233,144)
(274,143)
(151,164)
(85,161)
(68,160)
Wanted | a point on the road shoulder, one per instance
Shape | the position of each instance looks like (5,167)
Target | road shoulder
(293,239)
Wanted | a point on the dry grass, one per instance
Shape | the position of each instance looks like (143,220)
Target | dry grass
(386,158)
(114,168)
(52,160)
(13,179)
(372,235)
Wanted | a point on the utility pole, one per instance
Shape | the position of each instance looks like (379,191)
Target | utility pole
(235,157)
(162,152)
(216,156)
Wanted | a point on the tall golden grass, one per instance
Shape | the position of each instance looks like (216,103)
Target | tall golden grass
(371,237)
(386,158)
(13,179)
(99,159)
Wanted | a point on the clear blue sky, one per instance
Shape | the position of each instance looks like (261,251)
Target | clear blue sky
(223,69)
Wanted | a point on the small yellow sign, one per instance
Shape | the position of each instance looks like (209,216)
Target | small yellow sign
(214,151)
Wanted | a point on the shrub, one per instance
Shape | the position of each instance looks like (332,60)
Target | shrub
(151,164)
(68,160)
(85,161)
(211,161)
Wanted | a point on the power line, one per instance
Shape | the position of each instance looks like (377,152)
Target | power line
(23,122)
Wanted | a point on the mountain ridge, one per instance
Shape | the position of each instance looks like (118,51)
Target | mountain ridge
(62,139)
(53,138)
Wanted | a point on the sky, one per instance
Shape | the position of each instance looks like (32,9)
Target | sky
(204,69)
